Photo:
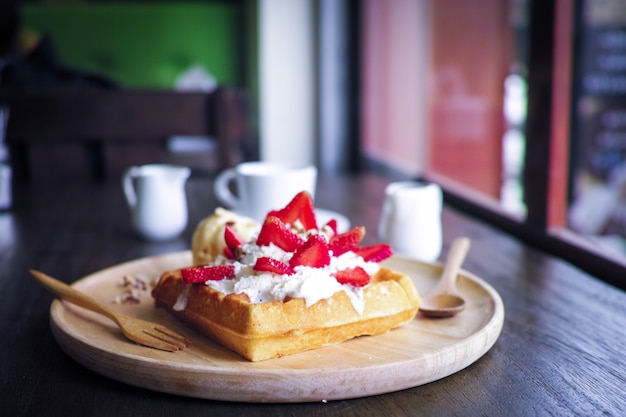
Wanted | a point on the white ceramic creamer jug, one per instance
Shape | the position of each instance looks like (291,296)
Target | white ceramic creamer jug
(157,200)
(411,219)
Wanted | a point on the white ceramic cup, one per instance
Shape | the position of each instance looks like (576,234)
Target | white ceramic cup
(157,200)
(411,219)
(263,186)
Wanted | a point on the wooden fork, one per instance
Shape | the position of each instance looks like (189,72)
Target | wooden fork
(139,331)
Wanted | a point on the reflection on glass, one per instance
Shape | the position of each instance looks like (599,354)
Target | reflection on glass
(514,144)
(448,101)
(479,99)
(598,172)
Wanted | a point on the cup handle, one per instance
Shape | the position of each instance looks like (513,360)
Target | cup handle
(128,187)
(222,190)
(383,223)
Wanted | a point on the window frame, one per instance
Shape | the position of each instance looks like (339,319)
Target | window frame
(550,57)
(546,158)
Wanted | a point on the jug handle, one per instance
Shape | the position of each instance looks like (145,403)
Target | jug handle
(222,191)
(127,186)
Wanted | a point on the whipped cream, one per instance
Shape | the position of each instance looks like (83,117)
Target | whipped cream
(311,284)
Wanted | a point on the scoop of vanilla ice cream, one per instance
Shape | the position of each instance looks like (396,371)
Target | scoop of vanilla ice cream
(208,243)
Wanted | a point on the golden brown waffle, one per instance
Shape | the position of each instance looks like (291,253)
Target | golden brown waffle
(270,330)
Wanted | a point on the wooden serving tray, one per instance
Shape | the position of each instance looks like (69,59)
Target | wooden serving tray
(422,351)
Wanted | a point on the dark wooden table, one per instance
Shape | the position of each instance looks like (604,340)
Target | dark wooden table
(562,350)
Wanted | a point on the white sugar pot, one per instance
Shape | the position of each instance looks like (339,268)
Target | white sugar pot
(411,219)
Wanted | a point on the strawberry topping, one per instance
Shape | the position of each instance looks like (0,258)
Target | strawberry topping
(347,241)
(374,253)
(265,264)
(199,274)
(354,276)
(275,231)
(299,208)
(228,253)
(332,224)
(313,253)
(233,241)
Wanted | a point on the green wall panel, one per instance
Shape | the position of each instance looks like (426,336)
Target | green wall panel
(145,45)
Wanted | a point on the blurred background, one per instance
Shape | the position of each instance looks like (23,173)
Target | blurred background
(433,89)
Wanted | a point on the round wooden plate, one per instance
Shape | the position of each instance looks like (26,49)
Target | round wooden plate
(421,351)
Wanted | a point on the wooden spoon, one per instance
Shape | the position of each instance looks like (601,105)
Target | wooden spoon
(444,300)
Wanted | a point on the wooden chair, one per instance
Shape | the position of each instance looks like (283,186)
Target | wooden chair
(94,120)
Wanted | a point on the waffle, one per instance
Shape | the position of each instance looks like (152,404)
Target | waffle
(260,331)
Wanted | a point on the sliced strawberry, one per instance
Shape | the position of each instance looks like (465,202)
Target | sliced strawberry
(374,253)
(207,273)
(299,208)
(228,253)
(347,241)
(353,276)
(272,265)
(332,224)
(275,231)
(232,239)
(313,253)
